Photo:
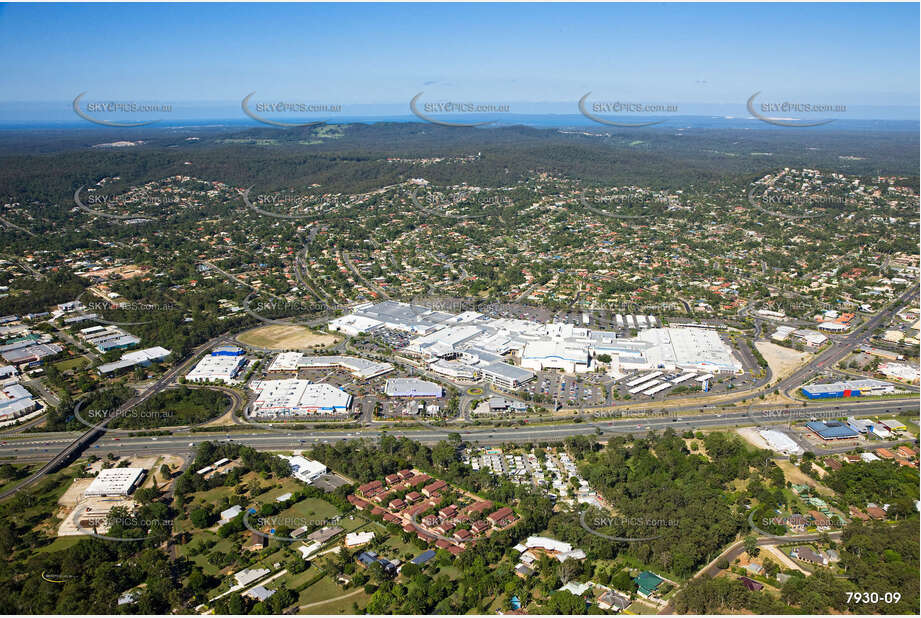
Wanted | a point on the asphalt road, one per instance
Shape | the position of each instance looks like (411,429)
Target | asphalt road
(44,446)
(738,548)
(276,440)
(77,445)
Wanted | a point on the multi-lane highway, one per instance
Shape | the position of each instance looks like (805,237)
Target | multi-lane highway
(39,447)
(46,446)
(80,442)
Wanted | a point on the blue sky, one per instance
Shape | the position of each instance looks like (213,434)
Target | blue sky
(856,54)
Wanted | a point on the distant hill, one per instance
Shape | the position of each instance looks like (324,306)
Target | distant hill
(50,164)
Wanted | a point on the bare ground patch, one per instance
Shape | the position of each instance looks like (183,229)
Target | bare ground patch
(782,361)
(285,337)
(795,475)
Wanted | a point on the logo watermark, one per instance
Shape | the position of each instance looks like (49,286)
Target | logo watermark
(623,107)
(424,304)
(311,308)
(57,578)
(286,107)
(438,210)
(452,107)
(633,523)
(266,200)
(130,306)
(103,200)
(615,215)
(258,524)
(787,107)
(804,202)
(118,107)
(799,414)
(109,521)
(94,418)
(794,523)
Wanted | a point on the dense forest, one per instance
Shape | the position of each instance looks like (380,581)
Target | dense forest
(877,557)
(354,157)
(657,479)
(179,406)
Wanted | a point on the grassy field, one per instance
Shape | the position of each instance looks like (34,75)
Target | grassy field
(639,608)
(325,592)
(23,470)
(909,423)
(312,508)
(280,337)
(72,363)
(61,543)
(295,581)
(401,549)
(284,487)
(223,545)
(795,475)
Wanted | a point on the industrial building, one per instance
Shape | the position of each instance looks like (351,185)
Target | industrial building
(779,442)
(860,425)
(832,430)
(555,355)
(810,338)
(849,388)
(900,371)
(455,370)
(303,469)
(484,344)
(115,482)
(16,401)
(358,367)
(228,350)
(295,397)
(107,338)
(131,359)
(412,387)
(505,375)
(27,351)
(218,366)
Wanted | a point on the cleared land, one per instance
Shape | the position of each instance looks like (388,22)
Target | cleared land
(751,435)
(280,337)
(782,361)
(795,475)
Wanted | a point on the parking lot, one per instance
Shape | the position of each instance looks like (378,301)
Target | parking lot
(569,390)
(329,482)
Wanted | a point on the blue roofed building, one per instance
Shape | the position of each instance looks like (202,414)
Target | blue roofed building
(228,350)
(847,388)
(832,430)
(424,557)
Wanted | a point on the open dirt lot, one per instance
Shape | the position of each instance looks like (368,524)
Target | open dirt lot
(90,508)
(280,337)
(74,493)
(795,475)
(778,556)
(173,461)
(751,435)
(781,360)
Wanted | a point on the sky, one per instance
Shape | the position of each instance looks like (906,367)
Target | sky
(373,54)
